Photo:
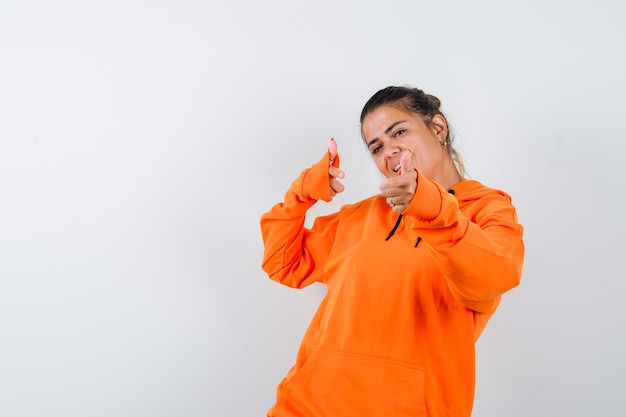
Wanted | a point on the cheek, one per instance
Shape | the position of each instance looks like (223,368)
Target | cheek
(381,165)
(427,162)
(429,152)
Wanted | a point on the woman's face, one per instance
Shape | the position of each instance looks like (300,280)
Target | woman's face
(390,130)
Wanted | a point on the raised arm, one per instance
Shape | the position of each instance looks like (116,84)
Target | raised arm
(292,252)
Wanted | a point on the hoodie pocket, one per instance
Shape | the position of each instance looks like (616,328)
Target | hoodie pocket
(347,385)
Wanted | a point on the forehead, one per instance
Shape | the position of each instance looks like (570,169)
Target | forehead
(380,119)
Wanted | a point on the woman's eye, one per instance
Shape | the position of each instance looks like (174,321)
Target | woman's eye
(399,132)
(376,148)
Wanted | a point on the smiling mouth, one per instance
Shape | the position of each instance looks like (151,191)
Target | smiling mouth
(397,168)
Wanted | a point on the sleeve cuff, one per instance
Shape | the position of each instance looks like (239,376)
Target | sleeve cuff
(427,201)
(316,182)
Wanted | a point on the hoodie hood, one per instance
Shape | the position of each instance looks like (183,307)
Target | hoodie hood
(467,191)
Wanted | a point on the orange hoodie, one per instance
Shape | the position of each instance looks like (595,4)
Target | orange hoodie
(395,334)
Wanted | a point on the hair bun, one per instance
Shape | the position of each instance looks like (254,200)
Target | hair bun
(434,100)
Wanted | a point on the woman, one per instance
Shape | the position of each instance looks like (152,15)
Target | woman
(413,274)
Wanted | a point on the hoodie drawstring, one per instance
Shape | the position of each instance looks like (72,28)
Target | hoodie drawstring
(395,226)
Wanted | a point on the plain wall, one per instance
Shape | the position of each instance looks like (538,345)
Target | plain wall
(140,142)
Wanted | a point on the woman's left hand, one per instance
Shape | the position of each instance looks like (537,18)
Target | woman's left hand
(401,189)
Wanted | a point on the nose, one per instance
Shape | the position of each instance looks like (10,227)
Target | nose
(391,150)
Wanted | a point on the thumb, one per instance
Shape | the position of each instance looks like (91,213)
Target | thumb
(405,161)
(332,150)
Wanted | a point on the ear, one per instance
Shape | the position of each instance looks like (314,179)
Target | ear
(439,126)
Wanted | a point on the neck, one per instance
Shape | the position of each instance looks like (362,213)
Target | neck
(449,176)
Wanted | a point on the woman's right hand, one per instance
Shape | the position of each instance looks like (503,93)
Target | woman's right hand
(334,172)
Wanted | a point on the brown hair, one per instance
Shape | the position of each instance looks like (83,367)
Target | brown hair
(415,101)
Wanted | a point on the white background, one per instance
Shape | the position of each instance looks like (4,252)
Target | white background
(140,142)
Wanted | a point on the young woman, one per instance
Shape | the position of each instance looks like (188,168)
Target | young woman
(413,273)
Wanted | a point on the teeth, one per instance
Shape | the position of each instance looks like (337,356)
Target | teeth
(397,168)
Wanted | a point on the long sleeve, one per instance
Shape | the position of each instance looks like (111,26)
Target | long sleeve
(293,253)
(478,247)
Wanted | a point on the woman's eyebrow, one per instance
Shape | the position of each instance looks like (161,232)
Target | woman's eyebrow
(389,129)
(371,142)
